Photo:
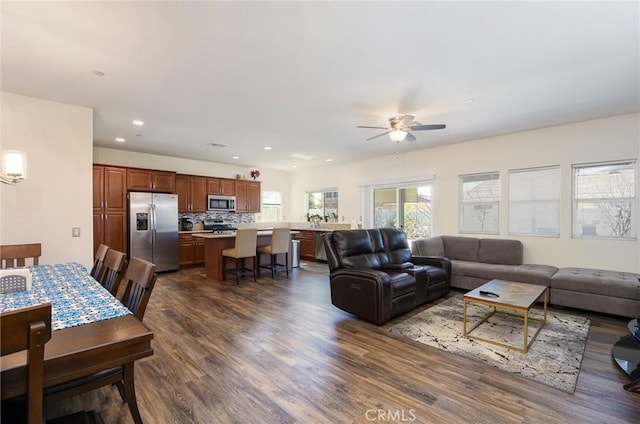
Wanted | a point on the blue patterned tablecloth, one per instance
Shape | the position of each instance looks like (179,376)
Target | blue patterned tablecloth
(76,298)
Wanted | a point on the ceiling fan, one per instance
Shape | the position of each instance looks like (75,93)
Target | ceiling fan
(401,127)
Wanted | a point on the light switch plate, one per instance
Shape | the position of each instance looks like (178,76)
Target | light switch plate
(75,232)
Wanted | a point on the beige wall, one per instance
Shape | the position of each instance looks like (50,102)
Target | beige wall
(57,194)
(592,141)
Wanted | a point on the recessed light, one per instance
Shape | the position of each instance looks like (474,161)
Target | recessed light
(137,122)
(469,100)
(216,145)
(294,166)
(120,140)
(236,157)
(329,160)
(300,156)
(98,73)
(267,148)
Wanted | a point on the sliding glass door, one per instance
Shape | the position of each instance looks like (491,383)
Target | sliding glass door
(404,207)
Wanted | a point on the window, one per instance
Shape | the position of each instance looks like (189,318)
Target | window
(534,201)
(322,205)
(271,206)
(604,200)
(405,207)
(480,203)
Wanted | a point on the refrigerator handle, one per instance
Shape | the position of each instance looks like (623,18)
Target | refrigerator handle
(152,207)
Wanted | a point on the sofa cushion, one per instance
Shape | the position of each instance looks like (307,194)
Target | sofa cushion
(500,251)
(429,247)
(598,281)
(396,245)
(527,273)
(356,249)
(461,248)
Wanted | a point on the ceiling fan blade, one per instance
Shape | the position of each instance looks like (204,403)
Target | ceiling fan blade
(427,127)
(410,137)
(407,120)
(379,135)
(369,126)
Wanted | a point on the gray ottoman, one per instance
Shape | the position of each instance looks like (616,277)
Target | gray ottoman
(598,290)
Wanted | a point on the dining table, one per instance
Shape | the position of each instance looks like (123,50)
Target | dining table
(91,331)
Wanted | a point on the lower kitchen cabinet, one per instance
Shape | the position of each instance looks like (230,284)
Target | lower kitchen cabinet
(110,228)
(190,250)
(307,244)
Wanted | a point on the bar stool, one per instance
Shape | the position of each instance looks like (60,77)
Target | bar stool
(245,247)
(280,239)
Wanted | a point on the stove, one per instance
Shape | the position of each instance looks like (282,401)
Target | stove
(218,225)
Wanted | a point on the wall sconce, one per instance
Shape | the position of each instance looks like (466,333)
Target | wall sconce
(14,166)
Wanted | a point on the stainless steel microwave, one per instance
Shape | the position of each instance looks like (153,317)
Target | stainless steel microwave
(219,203)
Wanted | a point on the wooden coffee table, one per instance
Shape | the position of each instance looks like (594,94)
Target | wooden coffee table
(518,297)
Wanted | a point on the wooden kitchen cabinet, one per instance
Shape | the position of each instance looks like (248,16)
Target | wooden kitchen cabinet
(247,196)
(307,244)
(110,207)
(191,250)
(192,193)
(151,180)
(222,186)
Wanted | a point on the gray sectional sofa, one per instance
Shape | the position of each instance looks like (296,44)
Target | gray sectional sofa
(474,261)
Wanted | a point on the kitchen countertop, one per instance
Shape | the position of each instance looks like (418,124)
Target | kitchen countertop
(194,231)
(232,234)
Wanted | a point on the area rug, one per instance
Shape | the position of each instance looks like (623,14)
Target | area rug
(554,358)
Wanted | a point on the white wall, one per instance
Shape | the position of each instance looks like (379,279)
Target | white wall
(592,141)
(57,194)
(270,179)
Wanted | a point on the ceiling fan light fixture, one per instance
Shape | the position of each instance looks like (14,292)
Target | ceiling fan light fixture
(397,135)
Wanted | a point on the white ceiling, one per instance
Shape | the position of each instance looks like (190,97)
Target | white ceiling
(300,76)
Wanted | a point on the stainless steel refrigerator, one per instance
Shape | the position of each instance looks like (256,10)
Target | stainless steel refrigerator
(153,228)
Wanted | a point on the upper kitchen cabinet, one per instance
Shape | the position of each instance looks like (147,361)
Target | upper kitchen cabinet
(247,196)
(151,180)
(109,188)
(192,193)
(110,207)
(223,186)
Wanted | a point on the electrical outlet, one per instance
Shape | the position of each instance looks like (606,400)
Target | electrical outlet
(75,232)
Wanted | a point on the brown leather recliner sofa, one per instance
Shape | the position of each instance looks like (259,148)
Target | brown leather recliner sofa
(374,276)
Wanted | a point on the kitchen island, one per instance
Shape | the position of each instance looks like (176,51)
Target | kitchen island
(215,243)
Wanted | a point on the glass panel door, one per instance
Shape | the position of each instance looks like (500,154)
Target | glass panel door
(404,207)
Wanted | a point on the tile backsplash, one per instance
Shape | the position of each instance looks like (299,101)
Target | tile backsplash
(235,218)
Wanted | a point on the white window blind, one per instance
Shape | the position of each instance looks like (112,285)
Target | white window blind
(534,201)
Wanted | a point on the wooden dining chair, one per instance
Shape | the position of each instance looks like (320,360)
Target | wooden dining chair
(15,255)
(112,272)
(140,278)
(101,254)
(245,247)
(280,239)
(27,329)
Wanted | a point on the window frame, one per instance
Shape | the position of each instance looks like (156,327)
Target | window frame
(575,201)
(331,191)
(265,205)
(495,204)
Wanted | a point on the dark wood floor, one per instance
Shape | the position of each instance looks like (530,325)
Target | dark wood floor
(279,352)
